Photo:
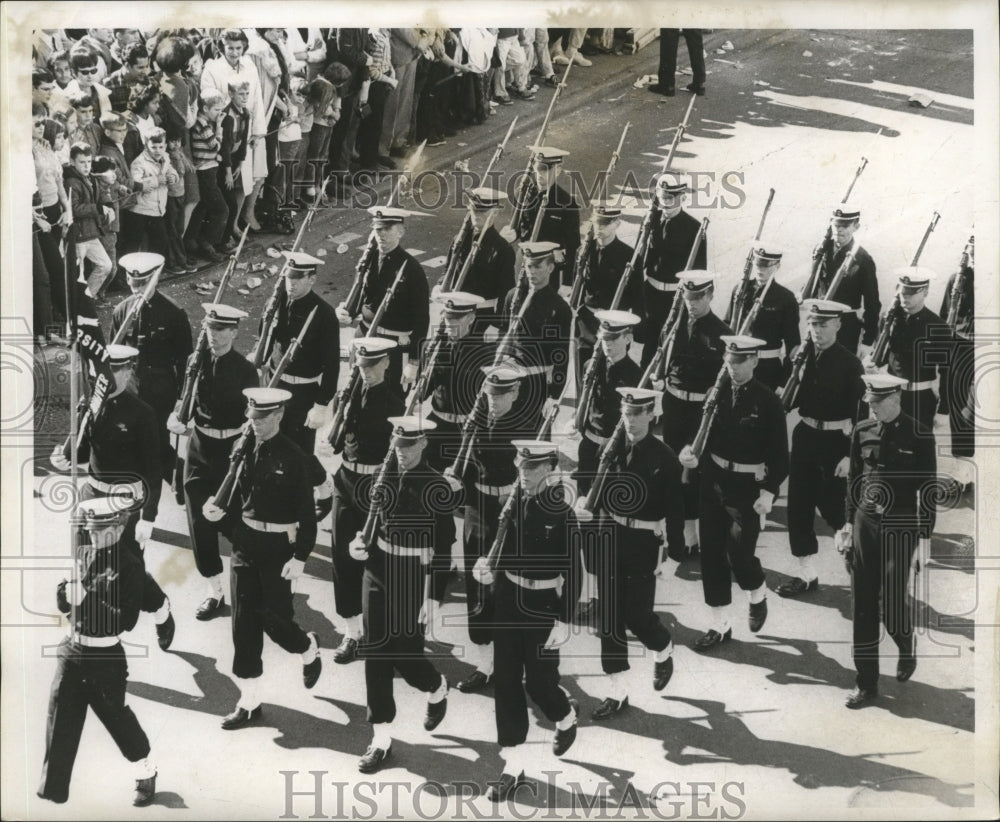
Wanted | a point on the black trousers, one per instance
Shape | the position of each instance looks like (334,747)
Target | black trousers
(626,588)
(482,517)
(963,433)
(669,39)
(588,458)
(393,591)
(680,424)
(920,405)
(205,468)
(293,423)
(351,493)
(211,214)
(880,565)
(522,667)
(152,594)
(658,304)
(812,485)
(158,387)
(262,600)
(370,128)
(729,528)
(86,678)
(142,232)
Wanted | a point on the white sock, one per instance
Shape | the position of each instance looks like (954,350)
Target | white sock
(249,698)
(616,686)
(666,653)
(690,532)
(215,586)
(807,568)
(758,595)
(440,693)
(720,622)
(485,659)
(161,615)
(353,627)
(568,720)
(309,654)
(144,769)
(588,589)
(382,735)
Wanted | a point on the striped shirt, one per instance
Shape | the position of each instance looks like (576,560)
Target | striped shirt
(204,144)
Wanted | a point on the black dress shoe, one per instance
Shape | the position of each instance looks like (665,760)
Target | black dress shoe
(347,651)
(563,740)
(795,587)
(240,718)
(905,667)
(662,671)
(209,608)
(476,681)
(312,670)
(165,632)
(757,616)
(666,91)
(436,711)
(860,698)
(695,89)
(608,708)
(711,639)
(504,787)
(373,759)
(145,790)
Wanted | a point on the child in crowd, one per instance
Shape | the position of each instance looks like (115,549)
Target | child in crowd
(90,217)
(83,128)
(154,173)
(233,151)
(206,233)
(177,260)
(289,140)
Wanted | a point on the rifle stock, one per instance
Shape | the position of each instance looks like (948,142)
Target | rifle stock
(960,284)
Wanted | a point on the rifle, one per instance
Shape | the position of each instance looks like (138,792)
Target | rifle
(262,350)
(344,401)
(739,298)
(960,284)
(223,497)
(520,201)
(678,134)
(583,255)
(470,258)
(825,246)
(448,279)
(887,324)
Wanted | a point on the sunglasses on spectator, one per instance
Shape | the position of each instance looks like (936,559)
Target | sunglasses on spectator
(87,70)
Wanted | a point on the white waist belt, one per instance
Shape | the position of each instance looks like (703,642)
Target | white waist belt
(96,641)
(447,416)
(657,526)
(534,584)
(687,396)
(919,386)
(218,433)
(289,528)
(488,304)
(402,551)
(757,468)
(300,380)
(134,489)
(829,425)
(769,354)
(537,369)
(595,438)
(402,337)
(659,285)
(360,467)
(495,490)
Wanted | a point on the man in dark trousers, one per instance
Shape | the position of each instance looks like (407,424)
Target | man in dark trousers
(828,399)
(121,447)
(859,286)
(491,273)
(367,433)
(960,295)
(561,218)
(162,333)
(407,315)
(777,322)
(672,235)
(406,570)
(537,576)
(669,39)
(217,422)
(91,669)
(890,512)
(646,471)
(273,525)
(742,468)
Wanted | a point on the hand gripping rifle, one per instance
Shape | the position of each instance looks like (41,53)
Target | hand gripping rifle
(825,246)
(880,352)
(739,298)
(455,263)
(960,284)
(583,255)
(521,200)
(223,497)
(347,397)
(263,348)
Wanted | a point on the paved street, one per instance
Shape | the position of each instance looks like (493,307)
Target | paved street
(762,719)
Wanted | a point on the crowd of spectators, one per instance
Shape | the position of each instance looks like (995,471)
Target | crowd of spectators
(175,141)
